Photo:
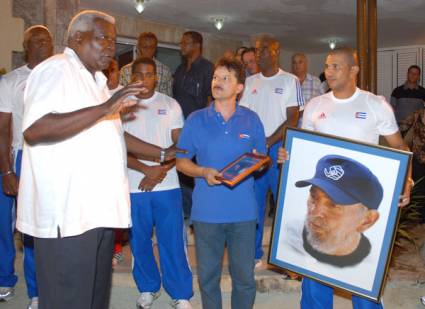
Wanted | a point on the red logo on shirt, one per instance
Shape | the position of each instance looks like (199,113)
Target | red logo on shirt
(254,91)
(322,116)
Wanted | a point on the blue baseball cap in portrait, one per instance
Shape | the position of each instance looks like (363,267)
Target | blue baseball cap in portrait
(346,182)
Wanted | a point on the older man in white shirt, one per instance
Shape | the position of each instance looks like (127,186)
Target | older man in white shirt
(74,186)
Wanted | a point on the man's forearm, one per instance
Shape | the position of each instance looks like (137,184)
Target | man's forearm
(58,127)
(187,167)
(135,164)
(5,142)
(141,149)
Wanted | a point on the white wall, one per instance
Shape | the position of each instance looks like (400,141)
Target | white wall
(12,34)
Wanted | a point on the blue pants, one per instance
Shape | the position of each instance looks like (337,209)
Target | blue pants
(210,240)
(319,296)
(7,246)
(268,180)
(162,209)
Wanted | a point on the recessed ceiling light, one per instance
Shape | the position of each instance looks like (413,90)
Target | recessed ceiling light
(219,22)
(140,6)
(332,44)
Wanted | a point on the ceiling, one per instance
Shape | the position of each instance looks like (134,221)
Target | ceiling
(300,25)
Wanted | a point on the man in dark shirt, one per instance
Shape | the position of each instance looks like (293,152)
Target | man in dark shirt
(192,79)
(408,97)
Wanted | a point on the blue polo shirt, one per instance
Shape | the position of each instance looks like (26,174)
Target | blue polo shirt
(215,143)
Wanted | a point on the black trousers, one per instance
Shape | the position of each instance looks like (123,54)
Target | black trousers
(75,272)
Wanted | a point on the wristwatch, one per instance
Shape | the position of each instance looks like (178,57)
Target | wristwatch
(162,156)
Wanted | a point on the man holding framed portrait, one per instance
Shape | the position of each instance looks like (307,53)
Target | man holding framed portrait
(352,113)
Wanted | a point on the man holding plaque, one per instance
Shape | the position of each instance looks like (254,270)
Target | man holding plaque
(276,96)
(352,113)
(217,135)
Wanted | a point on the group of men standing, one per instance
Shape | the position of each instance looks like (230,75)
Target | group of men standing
(74,189)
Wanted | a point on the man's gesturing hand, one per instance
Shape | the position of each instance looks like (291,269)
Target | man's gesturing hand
(120,99)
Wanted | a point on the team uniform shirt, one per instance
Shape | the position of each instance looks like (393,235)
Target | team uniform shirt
(79,183)
(269,97)
(216,143)
(12,87)
(153,123)
(363,117)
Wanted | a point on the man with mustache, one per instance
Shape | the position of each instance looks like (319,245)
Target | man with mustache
(342,204)
(223,216)
(38,46)
(73,188)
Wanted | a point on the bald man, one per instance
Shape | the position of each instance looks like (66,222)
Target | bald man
(275,95)
(38,46)
(351,113)
(310,84)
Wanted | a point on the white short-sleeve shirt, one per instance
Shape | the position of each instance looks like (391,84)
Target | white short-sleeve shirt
(12,87)
(153,123)
(364,116)
(80,183)
(269,97)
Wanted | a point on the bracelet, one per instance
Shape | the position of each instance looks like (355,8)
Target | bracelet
(7,173)
(162,156)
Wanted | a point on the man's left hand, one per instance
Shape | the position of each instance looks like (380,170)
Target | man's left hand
(405,198)
(147,184)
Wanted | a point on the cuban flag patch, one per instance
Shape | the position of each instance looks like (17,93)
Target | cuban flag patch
(360,115)
(244,136)
(162,112)
(278,90)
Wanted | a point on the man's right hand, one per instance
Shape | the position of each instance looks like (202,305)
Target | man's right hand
(10,184)
(120,101)
(170,152)
(282,155)
(210,175)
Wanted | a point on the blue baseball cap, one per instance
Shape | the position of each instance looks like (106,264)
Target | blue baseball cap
(346,182)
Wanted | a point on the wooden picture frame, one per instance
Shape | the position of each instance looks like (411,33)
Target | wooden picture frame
(302,244)
(239,169)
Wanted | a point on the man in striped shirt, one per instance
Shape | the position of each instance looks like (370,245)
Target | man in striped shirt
(310,84)
(147,45)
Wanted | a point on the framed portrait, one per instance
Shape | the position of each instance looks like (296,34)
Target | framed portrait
(337,211)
